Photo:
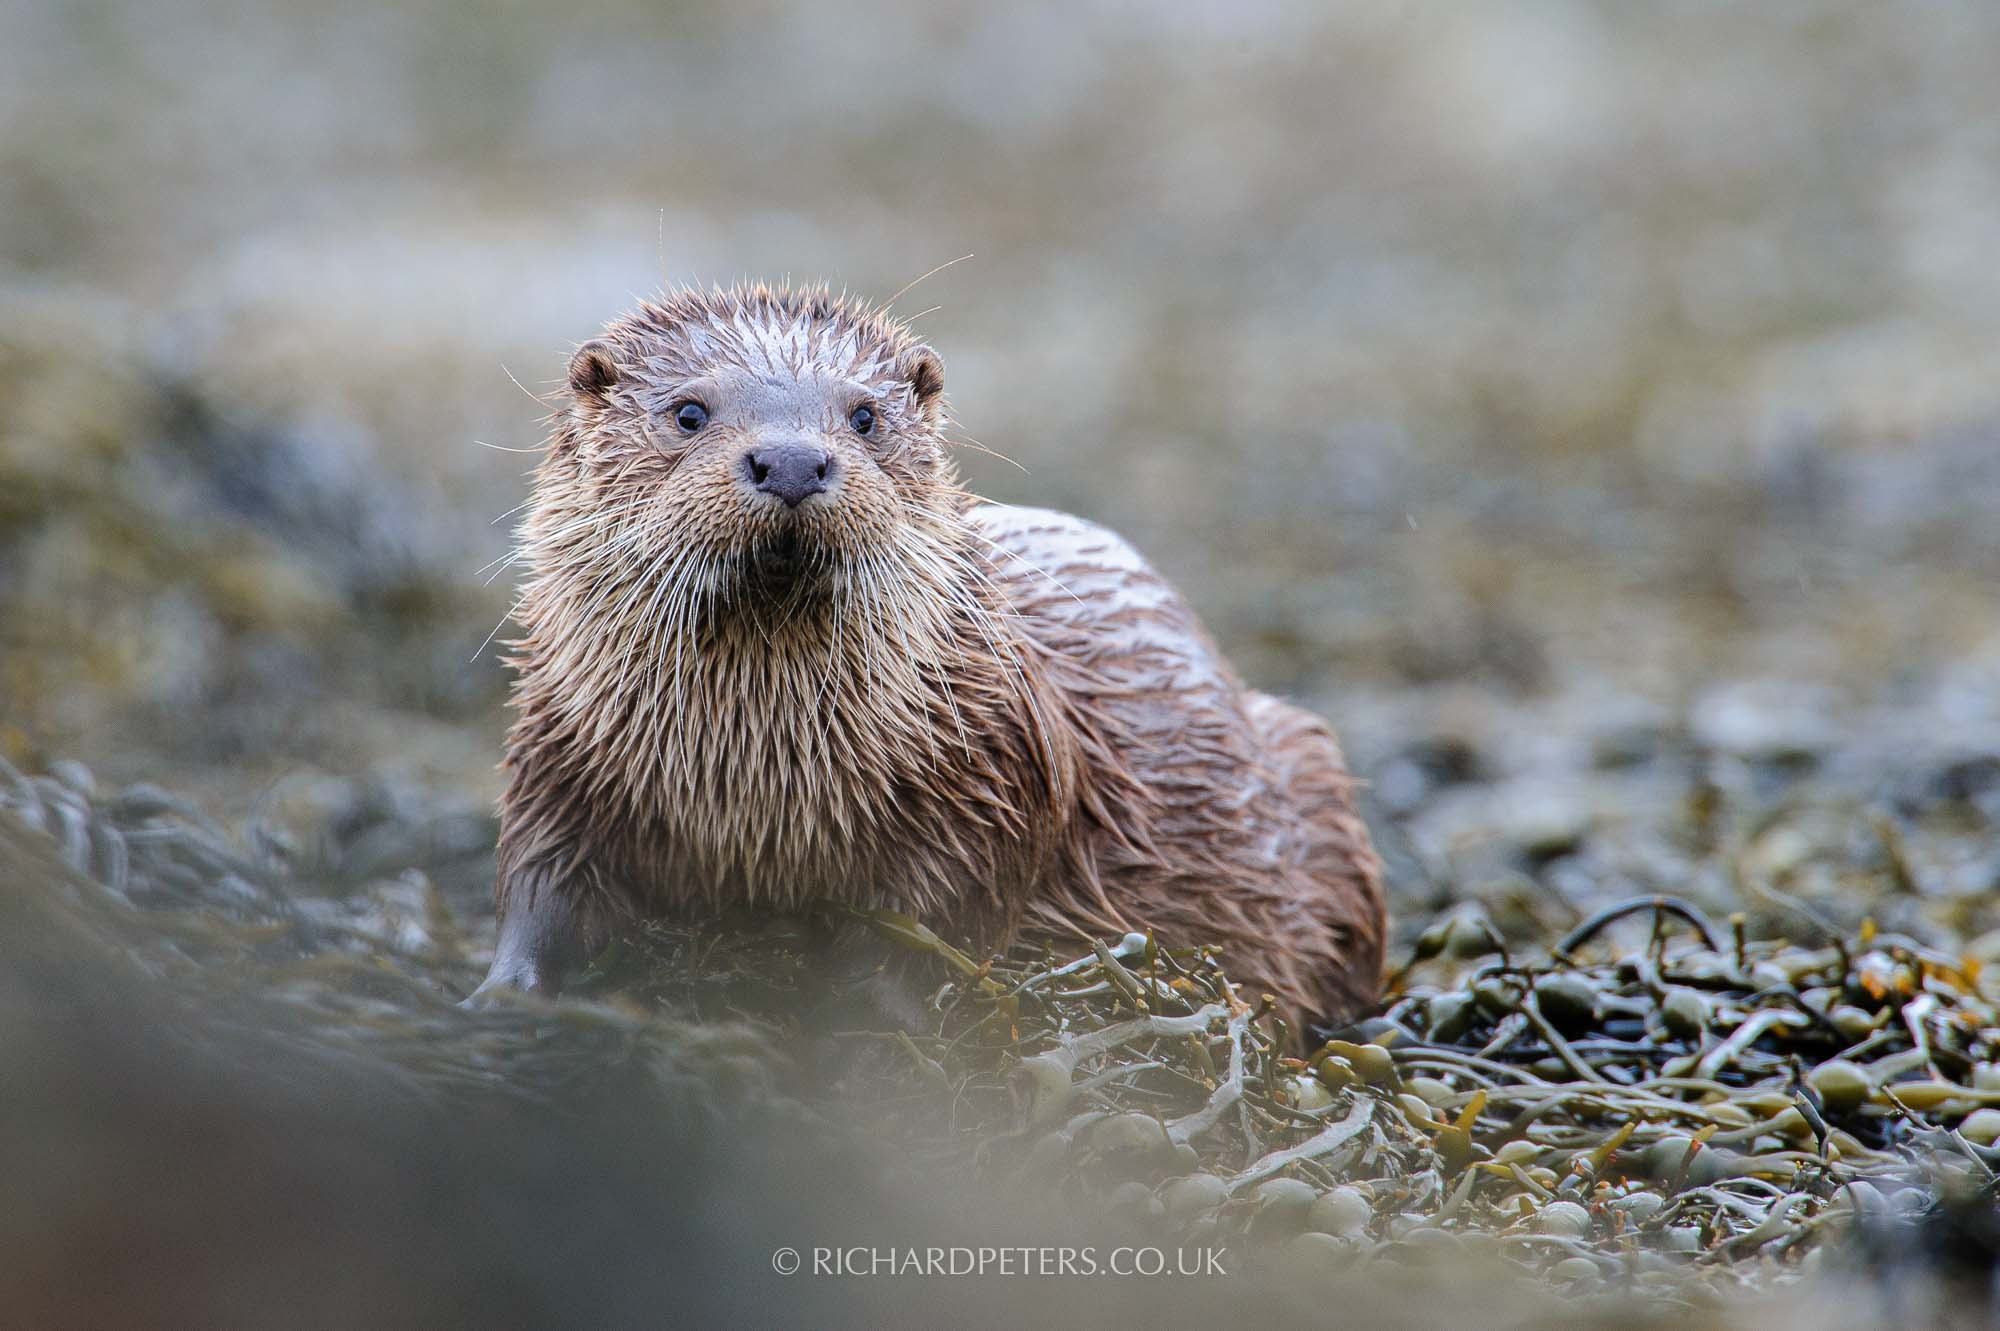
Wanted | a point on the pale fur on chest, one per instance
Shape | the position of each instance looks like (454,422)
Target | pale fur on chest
(883,740)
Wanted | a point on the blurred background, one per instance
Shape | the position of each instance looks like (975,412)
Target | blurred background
(1545,391)
(1590,407)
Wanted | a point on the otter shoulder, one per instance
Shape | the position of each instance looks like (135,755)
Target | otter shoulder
(1068,574)
(1040,555)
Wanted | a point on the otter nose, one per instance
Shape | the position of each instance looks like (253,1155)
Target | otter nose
(789,471)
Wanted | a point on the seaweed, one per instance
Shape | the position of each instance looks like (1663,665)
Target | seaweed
(1702,1110)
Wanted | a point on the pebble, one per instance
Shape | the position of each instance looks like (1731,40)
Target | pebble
(1282,1203)
(1187,1197)
(1563,1220)
(1343,1211)
(1573,1270)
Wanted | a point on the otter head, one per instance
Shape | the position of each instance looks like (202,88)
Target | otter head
(770,440)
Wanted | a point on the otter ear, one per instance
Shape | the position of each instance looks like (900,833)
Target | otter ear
(925,373)
(592,370)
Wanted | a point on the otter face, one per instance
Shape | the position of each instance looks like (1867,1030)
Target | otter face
(776,438)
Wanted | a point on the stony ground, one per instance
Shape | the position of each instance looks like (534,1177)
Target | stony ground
(1659,1112)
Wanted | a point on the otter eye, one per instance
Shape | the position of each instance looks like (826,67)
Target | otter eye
(690,416)
(862,419)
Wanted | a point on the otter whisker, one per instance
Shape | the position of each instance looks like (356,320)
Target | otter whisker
(900,614)
(684,638)
(487,641)
(967,441)
(591,520)
(833,654)
(532,397)
(676,626)
(925,278)
(610,550)
(977,616)
(504,562)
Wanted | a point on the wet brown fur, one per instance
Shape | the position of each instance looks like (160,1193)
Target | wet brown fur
(1000,720)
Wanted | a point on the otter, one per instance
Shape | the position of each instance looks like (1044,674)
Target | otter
(773,653)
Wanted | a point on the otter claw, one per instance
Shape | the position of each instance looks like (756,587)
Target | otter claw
(503,985)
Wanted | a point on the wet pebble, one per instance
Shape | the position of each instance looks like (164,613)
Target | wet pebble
(1639,1207)
(1313,1251)
(1343,1211)
(1568,1001)
(1128,1134)
(1185,1198)
(1135,1201)
(1574,1270)
(1049,1152)
(1563,1220)
(1282,1205)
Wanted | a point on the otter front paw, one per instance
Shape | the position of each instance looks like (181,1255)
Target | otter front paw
(544,938)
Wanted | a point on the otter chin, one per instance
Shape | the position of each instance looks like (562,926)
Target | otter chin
(772,653)
(779,562)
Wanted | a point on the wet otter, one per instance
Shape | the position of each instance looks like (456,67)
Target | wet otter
(774,654)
